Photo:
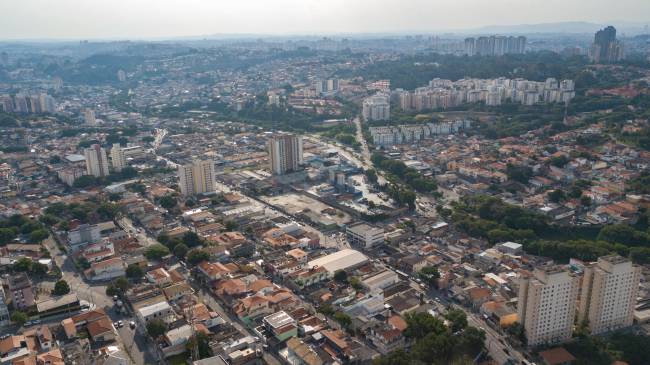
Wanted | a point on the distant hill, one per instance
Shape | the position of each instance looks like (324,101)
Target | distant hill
(561,27)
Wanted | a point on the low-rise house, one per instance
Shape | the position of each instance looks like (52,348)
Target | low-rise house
(107,269)
(161,310)
(281,325)
(20,290)
(158,277)
(176,291)
(386,339)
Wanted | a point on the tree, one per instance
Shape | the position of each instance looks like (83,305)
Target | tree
(38,269)
(232,225)
(167,201)
(19,317)
(191,239)
(341,276)
(430,274)
(22,265)
(356,283)
(38,235)
(156,251)
(202,342)
(197,256)
(134,271)
(156,328)
(61,288)
(371,175)
(421,324)
(457,318)
(585,201)
(180,250)
(83,263)
(121,284)
(556,196)
(343,319)
(111,290)
(471,341)
(7,235)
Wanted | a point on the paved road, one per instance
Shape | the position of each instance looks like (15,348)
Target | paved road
(96,294)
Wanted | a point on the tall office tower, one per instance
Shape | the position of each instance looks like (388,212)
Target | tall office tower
(608,295)
(547,304)
(285,153)
(376,107)
(89,117)
(96,161)
(196,177)
(118,160)
(606,49)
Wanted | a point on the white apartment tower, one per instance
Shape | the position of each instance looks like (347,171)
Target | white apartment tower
(608,295)
(196,177)
(547,305)
(96,161)
(118,160)
(376,107)
(285,153)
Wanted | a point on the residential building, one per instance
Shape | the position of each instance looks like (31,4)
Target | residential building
(5,319)
(376,107)
(89,117)
(547,304)
(608,295)
(118,160)
(281,325)
(161,310)
(285,153)
(96,161)
(197,177)
(606,49)
(20,291)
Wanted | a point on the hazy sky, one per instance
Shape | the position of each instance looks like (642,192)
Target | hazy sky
(21,19)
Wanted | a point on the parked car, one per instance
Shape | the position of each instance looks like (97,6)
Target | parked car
(132,325)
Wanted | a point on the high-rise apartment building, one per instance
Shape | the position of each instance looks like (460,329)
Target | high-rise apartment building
(606,49)
(285,153)
(118,160)
(376,107)
(196,177)
(495,45)
(89,117)
(547,304)
(608,295)
(96,161)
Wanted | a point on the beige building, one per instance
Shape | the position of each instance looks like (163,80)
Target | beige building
(285,153)
(118,160)
(547,304)
(608,296)
(96,161)
(89,117)
(197,177)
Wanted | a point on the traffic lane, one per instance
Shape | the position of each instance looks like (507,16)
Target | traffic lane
(135,344)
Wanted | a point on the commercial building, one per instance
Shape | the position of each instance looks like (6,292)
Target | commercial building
(96,161)
(68,303)
(376,107)
(118,159)
(346,259)
(285,153)
(547,304)
(608,295)
(196,178)
(364,235)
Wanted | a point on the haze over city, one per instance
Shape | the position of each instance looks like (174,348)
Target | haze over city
(124,19)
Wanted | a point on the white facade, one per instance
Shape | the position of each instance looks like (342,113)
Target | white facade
(118,160)
(547,305)
(608,295)
(89,117)
(364,235)
(96,161)
(376,107)
(196,178)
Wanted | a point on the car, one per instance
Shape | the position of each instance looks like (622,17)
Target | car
(115,298)
(132,325)
(116,325)
(28,323)
(120,324)
(36,321)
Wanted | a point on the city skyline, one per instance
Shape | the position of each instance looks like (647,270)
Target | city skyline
(166,19)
